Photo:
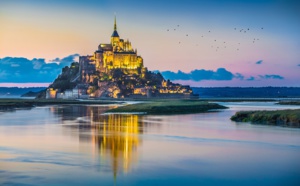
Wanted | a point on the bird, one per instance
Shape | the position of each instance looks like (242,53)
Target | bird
(248,29)
(208,31)
(262,27)
(215,40)
(174,29)
(187,35)
(234,28)
(201,36)
(177,25)
(168,30)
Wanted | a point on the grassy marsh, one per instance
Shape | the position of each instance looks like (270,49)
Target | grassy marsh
(169,107)
(288,118)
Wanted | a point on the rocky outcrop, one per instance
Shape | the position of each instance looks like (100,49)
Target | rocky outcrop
(108,89)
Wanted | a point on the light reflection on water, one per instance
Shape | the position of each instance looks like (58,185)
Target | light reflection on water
(78,145)
(114,136)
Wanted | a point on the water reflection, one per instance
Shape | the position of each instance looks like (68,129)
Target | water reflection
(119,138)
(114,136)
(45,145)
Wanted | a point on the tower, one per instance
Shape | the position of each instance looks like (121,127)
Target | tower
(115,38)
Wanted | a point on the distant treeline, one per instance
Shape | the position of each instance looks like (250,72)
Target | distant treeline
(248,92)
(16,91)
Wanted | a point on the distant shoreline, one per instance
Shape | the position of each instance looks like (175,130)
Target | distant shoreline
(177,105)
(11,104)
(206,93)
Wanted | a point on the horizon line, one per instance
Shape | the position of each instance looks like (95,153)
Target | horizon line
(33,85)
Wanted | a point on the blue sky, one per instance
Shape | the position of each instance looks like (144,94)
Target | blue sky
(255,42)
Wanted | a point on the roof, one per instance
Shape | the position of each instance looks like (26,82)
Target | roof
(115,34)
(123,52)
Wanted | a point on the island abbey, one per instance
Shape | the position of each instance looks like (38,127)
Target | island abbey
(115,70)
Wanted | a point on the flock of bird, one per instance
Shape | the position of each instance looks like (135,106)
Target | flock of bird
(217,44)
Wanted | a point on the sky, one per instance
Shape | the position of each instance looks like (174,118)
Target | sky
(194,42)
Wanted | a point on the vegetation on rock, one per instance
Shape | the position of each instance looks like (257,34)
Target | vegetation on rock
(64,80)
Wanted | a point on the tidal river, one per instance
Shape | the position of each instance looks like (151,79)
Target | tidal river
(79,145)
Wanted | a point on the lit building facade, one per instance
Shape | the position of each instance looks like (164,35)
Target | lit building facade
(118,54)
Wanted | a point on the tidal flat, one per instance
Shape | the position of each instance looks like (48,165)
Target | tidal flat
(77,144)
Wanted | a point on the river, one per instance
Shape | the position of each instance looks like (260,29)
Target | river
(79,145)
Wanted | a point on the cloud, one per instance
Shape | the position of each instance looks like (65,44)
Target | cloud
(198,75)
(259,62)
(65,60)
(271,76)
(23,70)
(251,78)
(175,76)
(220,74)
(239,76)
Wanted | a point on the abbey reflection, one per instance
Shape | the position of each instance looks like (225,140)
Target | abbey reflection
(115,137)
(118,137)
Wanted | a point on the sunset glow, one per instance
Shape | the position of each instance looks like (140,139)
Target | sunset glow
(170,36)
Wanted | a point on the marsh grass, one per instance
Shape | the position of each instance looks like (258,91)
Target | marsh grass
(290,118)
(169,107)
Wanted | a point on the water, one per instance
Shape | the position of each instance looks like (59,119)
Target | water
(78,145)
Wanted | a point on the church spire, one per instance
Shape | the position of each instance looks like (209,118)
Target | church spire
(115,25)
(115,38)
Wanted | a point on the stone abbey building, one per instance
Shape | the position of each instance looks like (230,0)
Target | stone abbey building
(115,70)
(118,54)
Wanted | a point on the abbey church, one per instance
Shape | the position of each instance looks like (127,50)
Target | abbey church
(119,54)
(114,70)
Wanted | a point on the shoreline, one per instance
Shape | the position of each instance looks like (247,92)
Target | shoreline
(24,102)
(11,104)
